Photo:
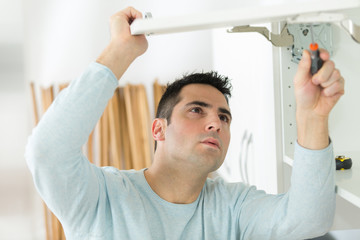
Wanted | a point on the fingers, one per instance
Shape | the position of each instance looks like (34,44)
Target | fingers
(330,79)
(120,23)
(135,13)
(305,63)
(328,75)
(335,88)
(303,71)
(132,14)
(323,75)
(129,13)
(324,55)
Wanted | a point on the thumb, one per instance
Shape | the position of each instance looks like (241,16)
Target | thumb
(303,72)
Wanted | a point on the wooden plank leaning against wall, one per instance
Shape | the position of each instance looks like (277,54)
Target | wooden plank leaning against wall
(121,138)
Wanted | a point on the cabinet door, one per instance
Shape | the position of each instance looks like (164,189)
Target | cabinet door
(246,58)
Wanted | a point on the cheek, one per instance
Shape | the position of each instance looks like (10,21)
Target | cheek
(185,127)
(179,133)
(226,139)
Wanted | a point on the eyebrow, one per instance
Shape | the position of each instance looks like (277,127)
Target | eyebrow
(206,105)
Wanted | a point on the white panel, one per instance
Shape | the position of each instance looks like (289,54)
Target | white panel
(345,117)
(235,17)
(247,59)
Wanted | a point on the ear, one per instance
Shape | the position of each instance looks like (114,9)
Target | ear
(158,129)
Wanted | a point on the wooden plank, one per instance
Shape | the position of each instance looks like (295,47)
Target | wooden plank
(158,92)
(47,97)
(63,86)
(125,136)
(145,126)
(35,108)
(135,155)
(118,129)
(47,219)
(137,115)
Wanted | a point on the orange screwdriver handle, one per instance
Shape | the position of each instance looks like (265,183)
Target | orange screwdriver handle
(316,61)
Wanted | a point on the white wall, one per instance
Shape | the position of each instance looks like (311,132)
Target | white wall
(20,211)
(247,59)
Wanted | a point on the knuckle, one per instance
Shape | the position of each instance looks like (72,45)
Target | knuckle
(321,78)
(331,64)
(337,74)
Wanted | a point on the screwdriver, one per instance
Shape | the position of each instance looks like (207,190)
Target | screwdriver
(316,61)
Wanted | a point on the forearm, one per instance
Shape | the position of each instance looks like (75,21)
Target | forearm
(305,211)
(117,58)
(311,205)
(312,131)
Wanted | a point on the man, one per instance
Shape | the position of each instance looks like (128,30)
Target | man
(173,199)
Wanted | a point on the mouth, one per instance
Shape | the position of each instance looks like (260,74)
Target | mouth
(212,142)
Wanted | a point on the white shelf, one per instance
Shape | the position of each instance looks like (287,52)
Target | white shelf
(347,181)
(237,17)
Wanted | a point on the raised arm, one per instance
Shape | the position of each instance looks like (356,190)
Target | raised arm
(68,183)
(307,209)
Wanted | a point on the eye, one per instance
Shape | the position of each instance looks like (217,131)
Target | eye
(224,118)
(196,110)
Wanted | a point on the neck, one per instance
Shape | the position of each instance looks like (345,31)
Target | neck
(174,183)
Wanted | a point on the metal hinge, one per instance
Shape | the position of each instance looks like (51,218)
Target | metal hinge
(322,34)
(283,39)
(336,18)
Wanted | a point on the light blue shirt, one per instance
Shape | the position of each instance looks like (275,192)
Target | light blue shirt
(107,203)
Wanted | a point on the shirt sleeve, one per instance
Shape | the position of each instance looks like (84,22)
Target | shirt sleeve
(64,178)
(305,211)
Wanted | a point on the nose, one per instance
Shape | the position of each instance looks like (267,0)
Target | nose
(214,124)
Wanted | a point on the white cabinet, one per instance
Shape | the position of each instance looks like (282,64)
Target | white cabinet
(246,59)
(344,120)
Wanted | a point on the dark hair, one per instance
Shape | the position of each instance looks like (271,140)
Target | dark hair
(171,95)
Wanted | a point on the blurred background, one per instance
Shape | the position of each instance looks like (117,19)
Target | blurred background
(51,42)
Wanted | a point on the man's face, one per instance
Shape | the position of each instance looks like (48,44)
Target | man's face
(199,133)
